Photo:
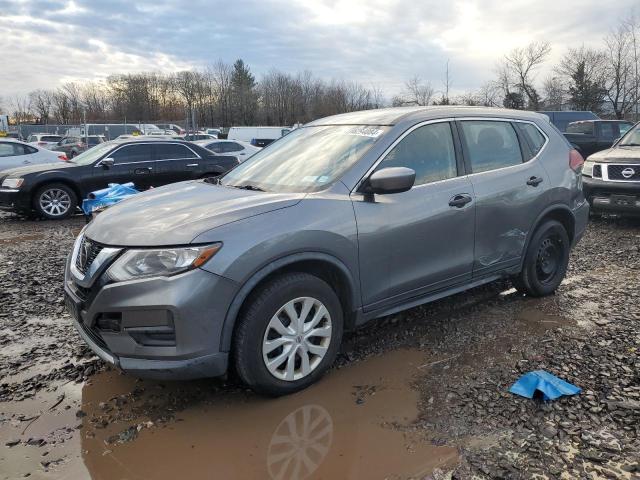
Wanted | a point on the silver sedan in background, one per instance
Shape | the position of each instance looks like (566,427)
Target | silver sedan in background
(237,148)
(14,153)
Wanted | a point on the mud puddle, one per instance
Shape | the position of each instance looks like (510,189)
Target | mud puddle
(350,425)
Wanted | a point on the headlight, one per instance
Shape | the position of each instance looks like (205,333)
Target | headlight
(587,168)
(12,182)
(160,262)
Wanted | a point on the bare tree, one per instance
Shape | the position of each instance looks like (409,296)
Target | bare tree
(554,92)
(21,108)
(520,66)
(42,104)
(619,74)
(416,92)
(632,25)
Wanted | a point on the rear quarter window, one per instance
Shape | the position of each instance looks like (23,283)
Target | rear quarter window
(533,137)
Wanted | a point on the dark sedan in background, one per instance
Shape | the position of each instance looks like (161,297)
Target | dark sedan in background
(611,178)
(74,146)
(55,191)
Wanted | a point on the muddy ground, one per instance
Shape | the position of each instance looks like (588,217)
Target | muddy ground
(422,394)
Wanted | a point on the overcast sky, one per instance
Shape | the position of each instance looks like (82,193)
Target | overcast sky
(381,42)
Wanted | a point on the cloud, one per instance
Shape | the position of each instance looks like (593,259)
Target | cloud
(381,42)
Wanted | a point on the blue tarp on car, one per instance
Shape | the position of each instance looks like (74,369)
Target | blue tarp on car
(549,385)
(107,196)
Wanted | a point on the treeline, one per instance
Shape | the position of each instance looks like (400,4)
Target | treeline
(221,95)
(605,80)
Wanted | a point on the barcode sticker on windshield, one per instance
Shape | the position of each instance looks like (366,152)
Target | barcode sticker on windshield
(365,132)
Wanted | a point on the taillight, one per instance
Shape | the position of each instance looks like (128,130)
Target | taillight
(63,157)
(42,144)
(575,160)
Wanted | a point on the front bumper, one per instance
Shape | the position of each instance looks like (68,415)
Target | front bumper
(164,328)
(11,199)
(615,197)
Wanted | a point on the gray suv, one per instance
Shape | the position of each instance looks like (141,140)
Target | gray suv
(349,218)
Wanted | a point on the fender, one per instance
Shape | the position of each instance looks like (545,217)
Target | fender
(258,276)
(545,212)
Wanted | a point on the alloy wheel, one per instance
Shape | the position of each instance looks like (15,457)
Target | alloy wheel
(297,339)
(55,202)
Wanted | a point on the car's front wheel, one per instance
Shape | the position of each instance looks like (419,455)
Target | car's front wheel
(288,335)
(546,260)
(55,201)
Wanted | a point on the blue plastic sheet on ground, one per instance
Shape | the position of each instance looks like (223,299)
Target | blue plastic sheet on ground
(549,385)
(107,196)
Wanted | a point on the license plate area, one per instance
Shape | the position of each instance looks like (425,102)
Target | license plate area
(623,200)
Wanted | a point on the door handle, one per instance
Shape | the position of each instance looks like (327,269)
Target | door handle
(459,201)
(534,181)
(142,171)
(192,165)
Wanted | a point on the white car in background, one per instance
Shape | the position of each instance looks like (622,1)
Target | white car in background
(236,148)
(14,153)
(44,140)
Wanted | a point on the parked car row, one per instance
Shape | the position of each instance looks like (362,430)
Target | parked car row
(54,191)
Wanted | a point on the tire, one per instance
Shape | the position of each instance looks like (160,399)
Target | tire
(255,330)
(55,201)
(546,260)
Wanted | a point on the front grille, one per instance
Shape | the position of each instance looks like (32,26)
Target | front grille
(87,253)
(624,172)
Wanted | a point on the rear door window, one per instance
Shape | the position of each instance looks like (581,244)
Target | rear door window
(428,150)
(607,131)
(490,144)
(133,154)
(173,151)
(586,128)
(7,150)
(216,147)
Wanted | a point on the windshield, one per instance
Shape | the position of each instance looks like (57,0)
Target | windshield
(308,159)
(632,138)
(91,155)
(50,138)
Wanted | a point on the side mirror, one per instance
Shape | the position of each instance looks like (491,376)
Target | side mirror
(390,180)
(107,163)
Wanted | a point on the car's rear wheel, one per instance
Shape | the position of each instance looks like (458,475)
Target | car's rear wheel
(546,260)
(288,335)
(55,201)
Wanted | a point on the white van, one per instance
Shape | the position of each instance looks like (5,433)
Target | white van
(257,136)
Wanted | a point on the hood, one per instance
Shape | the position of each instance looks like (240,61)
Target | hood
(176,214)
(617,155)
(40,167)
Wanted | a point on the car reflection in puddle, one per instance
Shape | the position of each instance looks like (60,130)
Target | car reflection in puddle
(350,425)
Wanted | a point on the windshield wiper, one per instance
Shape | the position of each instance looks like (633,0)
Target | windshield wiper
(248,186)
(630,145)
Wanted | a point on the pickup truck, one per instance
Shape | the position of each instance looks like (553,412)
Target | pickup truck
(591,136)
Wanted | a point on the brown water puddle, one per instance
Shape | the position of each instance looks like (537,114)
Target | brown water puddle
(342,427)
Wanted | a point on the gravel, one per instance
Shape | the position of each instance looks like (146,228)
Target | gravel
(476,344)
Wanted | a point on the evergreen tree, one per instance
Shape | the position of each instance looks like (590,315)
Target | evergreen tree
(244,98)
